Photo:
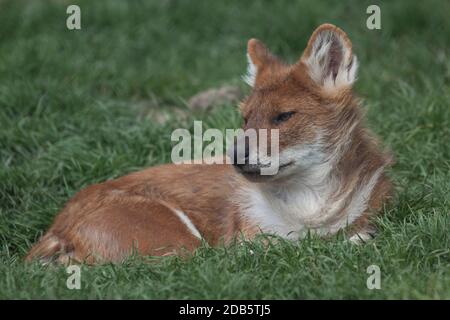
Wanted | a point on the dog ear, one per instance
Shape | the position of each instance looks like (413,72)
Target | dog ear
(259,59)
(329,58)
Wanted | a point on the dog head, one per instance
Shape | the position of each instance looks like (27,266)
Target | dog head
(309,104)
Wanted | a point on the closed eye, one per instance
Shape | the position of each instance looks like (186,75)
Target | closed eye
(282,117)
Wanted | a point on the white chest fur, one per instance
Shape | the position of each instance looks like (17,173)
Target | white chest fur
(291,211)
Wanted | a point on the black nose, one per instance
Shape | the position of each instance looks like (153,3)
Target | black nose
(242,158)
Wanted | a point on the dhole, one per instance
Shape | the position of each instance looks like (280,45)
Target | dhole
(331,172)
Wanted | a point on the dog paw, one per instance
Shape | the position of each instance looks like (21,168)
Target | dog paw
(361,237)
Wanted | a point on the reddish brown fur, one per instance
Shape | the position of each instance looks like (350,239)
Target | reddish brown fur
(107,221)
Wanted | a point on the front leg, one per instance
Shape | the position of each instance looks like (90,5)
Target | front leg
(362,230)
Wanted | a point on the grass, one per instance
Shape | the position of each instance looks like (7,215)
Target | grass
(73,108)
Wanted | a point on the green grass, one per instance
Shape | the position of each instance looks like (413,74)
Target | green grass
(72,112)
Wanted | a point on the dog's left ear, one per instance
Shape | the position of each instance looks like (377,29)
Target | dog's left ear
(260,60)
(329,58)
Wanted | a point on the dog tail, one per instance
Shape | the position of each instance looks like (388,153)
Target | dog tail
(50,248)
